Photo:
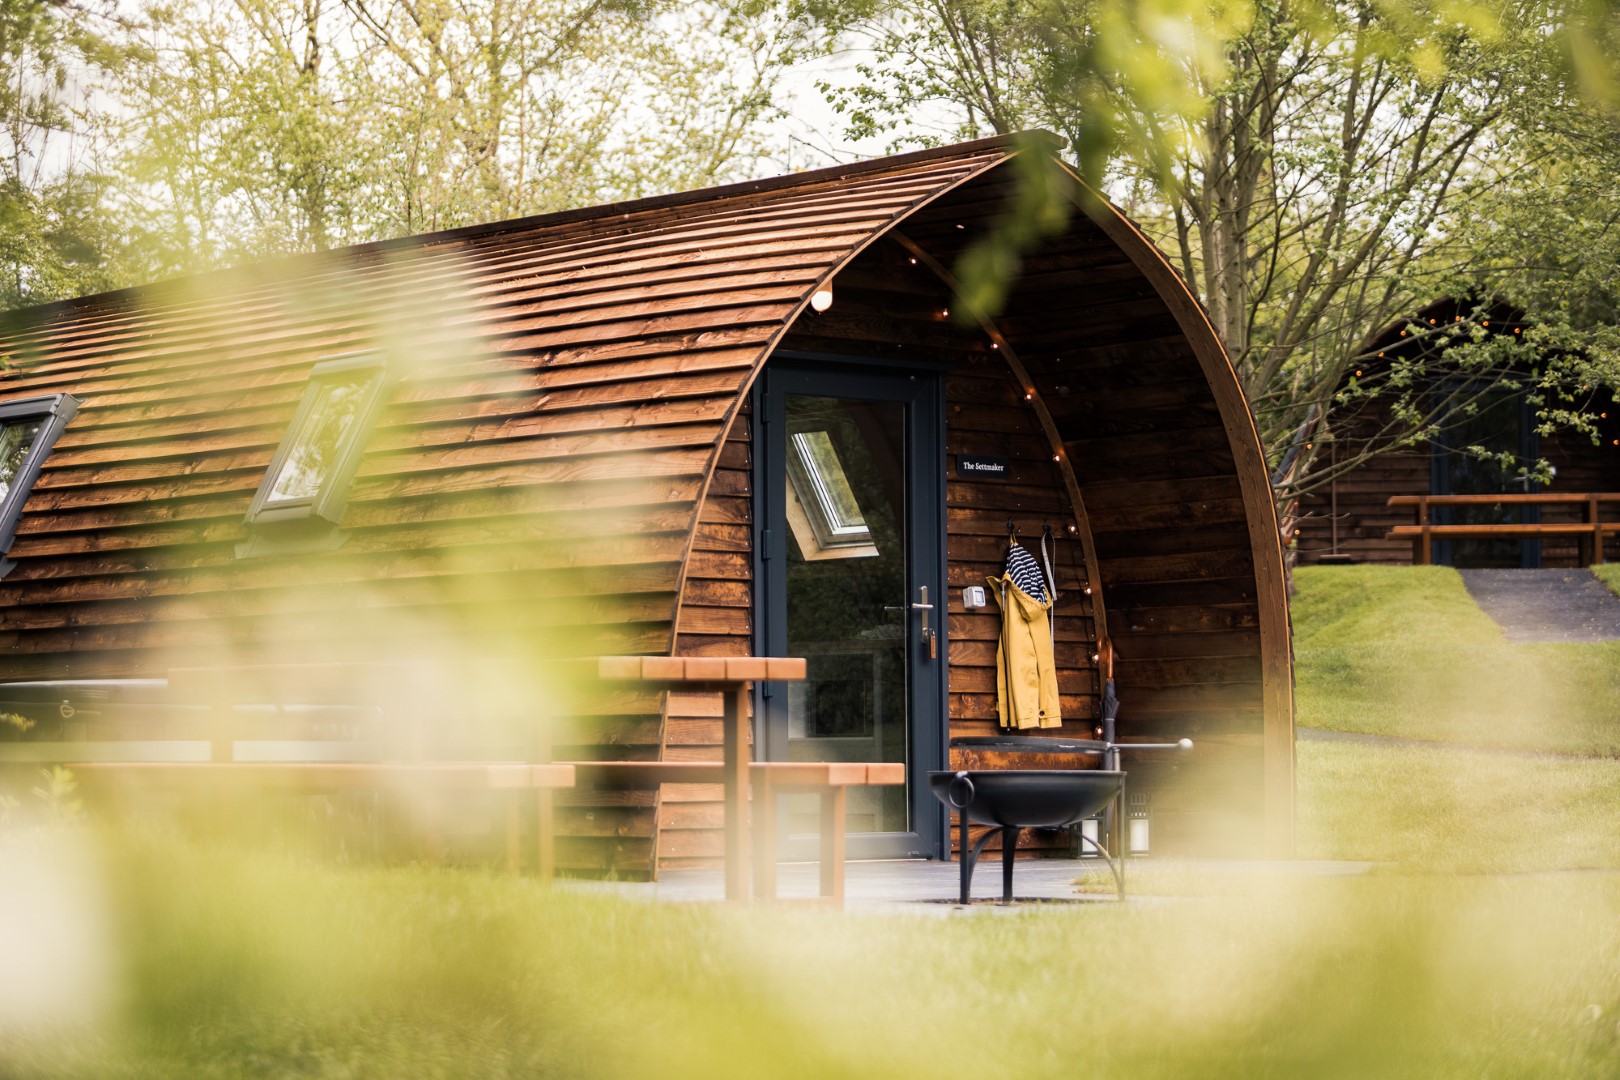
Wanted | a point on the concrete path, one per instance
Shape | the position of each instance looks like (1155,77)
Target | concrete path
(1531,606)
(927,887)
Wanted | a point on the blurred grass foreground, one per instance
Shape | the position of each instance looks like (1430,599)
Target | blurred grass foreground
(1484,942)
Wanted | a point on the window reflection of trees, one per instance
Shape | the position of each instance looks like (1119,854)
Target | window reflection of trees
(321,439)
(15,442)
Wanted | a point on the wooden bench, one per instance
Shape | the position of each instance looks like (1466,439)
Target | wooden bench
(217,707)
(1590,532)
(731,678)
(830,780)
(318,777)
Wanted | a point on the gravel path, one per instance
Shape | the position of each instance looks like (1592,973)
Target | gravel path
(1546,605)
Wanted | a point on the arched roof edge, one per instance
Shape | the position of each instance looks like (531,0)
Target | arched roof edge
(1265,540)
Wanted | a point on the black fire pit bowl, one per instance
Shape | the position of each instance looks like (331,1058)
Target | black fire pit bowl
(1012,800)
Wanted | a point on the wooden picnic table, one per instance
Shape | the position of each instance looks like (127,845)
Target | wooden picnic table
(1589,532)
(316,776)
(572,683)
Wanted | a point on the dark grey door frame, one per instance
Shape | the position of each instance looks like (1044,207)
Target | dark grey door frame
(921,390)
(1443,448)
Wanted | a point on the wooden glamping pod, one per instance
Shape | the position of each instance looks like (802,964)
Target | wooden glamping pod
(1349,518)
(725,422)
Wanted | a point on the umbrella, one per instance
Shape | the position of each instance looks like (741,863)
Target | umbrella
(1110,700)
(1110,709)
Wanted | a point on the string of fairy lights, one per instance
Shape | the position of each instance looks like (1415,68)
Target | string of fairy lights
(822,299)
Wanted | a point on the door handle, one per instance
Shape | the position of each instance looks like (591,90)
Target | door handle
(922,607)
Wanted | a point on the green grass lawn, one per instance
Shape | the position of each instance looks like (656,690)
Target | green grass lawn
(1404,651)
(1609,574)
(224,963)
(1486,943)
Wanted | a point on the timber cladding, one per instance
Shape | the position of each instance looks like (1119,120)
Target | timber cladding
(563,468)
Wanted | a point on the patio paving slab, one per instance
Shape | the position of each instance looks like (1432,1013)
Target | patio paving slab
(929,887)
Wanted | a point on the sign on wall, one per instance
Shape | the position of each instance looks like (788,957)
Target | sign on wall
(980,467)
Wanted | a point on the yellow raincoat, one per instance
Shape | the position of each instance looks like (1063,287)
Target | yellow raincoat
(1026,669)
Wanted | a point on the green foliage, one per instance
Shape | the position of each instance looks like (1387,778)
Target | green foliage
(1482,943)
(53,800)
(58,794)
(1039,209)
(55,239)
(254,128)
(1317,171)
(156,137)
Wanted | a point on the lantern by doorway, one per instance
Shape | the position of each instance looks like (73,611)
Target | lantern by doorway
(1138,819)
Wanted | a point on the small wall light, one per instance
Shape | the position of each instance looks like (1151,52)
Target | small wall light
(1138,816)
(821,299)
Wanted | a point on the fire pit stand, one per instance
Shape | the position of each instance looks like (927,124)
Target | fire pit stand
(1012,800)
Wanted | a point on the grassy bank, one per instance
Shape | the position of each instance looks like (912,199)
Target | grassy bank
(1609,574)
(1404,651)
(1444,811)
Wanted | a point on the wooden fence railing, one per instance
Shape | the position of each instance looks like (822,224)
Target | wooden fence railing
(1589,532)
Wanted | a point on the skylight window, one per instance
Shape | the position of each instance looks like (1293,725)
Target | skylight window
(28,429)
(823,512)
(310,474)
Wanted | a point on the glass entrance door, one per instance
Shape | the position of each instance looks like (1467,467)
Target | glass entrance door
(1487,452)
(849,493)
